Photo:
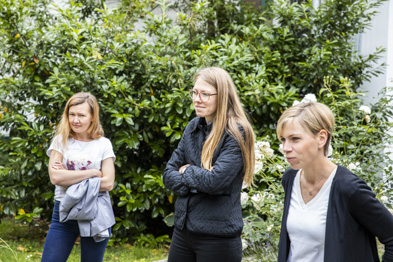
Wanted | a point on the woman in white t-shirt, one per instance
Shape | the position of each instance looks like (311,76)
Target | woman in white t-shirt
(84,153)
(330,214)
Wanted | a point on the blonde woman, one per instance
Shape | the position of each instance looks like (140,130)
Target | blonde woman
(330,214)
(79,153)
(206,171)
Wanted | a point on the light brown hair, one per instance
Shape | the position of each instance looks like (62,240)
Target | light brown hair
(95,130)
(229,116)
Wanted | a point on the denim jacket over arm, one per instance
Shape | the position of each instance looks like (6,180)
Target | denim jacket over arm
(92,209)
(215,207)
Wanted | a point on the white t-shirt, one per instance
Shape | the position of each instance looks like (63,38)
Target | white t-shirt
(81,155)
(306,223)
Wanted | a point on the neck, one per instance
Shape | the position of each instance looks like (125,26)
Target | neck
(82,137)
(208,119)
(314,174)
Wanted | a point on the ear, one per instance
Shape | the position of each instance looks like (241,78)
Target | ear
(322,138)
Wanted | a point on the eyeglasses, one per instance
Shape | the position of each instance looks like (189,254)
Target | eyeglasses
(203,95)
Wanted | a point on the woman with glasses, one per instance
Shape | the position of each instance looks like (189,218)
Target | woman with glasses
(207,170)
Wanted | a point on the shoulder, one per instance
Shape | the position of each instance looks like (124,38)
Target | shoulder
(57,143)
(242,129)
(103,141)
(348,183)
(288,175)
(104,146)
(231,134)
(288,178)
(345,176)
(57,139)
(194,122)
(192,125)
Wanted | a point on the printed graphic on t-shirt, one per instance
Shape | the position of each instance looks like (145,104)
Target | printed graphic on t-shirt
(78,164)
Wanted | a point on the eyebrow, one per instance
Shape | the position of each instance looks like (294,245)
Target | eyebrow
(202,90)
(292,135)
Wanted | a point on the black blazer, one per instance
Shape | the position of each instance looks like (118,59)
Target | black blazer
(208,202)
(354,218)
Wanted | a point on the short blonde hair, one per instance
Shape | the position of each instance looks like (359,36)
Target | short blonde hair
(313,117)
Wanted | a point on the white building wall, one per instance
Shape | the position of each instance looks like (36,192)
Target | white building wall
(389,53)
(380,34)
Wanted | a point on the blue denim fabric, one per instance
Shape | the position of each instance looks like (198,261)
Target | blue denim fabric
(61,239)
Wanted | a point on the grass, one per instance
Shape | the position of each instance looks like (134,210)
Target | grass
(22,243)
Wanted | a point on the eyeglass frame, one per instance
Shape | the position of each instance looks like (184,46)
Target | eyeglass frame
(191,92)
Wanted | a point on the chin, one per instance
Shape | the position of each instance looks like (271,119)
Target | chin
(295,166)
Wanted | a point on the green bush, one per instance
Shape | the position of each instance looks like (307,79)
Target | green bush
(141,77)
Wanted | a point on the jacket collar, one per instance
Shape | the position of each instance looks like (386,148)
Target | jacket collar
(202,125)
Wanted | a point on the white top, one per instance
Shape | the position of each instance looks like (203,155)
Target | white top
(81,155)
(306,223)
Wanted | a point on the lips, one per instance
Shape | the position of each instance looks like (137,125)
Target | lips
(290,159)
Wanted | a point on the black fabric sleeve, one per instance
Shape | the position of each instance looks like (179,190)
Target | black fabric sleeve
(373,215)
(172,178)
(227,166)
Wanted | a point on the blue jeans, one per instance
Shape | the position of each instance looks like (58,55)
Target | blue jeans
(61,238)
(190,247)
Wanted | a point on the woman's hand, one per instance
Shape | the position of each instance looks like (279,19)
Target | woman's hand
(60,166)
(57,165)
(183,168)
(59,175)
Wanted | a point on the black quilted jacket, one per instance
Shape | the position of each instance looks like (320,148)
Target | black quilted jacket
(208,202)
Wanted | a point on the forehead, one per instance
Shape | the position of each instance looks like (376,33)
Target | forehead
(201,85)
(81,108)
(293,127)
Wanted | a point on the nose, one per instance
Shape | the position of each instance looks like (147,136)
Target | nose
(197,98)
(286,147)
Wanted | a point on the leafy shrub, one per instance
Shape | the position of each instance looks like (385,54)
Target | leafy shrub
(141,77)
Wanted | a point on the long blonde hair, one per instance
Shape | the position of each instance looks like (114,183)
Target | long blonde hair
(229,116)
(95,130)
